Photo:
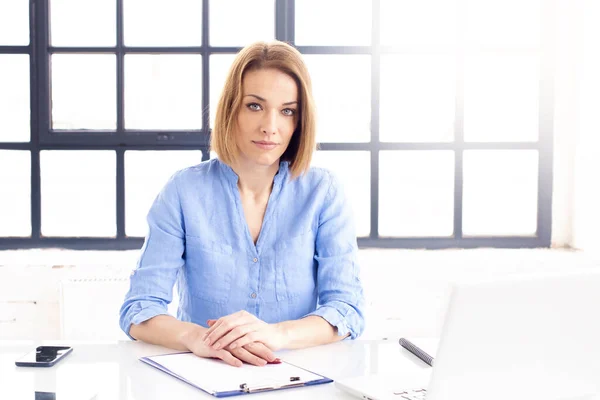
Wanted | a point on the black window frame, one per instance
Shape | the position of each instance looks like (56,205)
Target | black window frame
(121,140)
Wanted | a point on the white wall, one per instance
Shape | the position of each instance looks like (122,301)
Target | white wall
(586,209)
(30,282)
(568,59)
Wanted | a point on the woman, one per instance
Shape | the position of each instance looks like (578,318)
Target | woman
(262,246)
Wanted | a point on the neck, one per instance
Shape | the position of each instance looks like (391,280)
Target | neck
(255,181)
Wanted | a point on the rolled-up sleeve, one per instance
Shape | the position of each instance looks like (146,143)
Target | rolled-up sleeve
(161,258)
(341,298)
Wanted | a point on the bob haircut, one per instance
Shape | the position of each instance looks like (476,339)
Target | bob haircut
(262,55)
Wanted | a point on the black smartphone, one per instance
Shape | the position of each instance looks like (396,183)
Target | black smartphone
(44,356)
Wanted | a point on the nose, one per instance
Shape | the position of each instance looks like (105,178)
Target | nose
(269,123)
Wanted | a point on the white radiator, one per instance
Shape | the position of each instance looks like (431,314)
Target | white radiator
(89,307)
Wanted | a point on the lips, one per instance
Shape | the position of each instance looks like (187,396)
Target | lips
(265,145)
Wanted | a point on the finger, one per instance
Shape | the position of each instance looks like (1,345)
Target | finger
(211,322)
(224,325)
(246,356)
(234,334)
(212,328)
(207,335)
(228,358)
(260,350)
(251,337)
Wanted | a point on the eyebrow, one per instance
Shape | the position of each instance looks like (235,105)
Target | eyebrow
(262,99)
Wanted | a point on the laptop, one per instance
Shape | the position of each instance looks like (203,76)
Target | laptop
(520,337)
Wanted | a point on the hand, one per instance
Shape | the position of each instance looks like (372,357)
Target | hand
(241,328)
(253,353)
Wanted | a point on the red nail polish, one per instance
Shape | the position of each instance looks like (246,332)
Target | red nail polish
(275,361)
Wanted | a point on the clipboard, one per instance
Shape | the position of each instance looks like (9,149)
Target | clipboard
(221,380)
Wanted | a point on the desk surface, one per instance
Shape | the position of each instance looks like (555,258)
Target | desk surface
(113,371)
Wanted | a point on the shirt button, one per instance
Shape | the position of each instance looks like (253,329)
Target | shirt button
(253,295)
(255,259)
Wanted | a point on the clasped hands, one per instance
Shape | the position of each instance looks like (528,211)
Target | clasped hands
(236,338)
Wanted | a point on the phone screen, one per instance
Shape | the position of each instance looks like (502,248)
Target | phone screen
(45,396)
(45,354)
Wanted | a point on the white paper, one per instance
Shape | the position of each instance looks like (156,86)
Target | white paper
(215,376)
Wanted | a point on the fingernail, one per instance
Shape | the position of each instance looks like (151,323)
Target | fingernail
(233,346)
(262,362)
(216,346)
(238,364)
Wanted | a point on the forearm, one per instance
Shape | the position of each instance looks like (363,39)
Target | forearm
(164,330)
(308,332)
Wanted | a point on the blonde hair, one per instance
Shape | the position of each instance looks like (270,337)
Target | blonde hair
(261,55)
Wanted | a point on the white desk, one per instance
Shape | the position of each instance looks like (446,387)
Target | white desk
(113,371)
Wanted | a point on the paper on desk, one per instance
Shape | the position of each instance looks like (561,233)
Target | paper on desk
(215,376)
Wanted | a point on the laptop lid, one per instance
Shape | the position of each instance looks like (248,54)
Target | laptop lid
(521,337)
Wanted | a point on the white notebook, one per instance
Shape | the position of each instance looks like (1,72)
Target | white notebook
(219,379)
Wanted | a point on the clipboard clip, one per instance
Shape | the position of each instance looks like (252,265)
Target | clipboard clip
(294,382)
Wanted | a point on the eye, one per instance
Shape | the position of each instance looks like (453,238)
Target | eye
(289,112)
(253,106)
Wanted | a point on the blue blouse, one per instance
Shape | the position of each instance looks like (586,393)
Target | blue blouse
(304,262)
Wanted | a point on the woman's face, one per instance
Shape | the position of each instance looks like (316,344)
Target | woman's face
(267,117)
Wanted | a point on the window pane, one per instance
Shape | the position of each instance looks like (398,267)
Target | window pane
(505,23)
(78,193)
(410,23)
(15,193)
(413,89)
(14,98)
(14,23)
(163,91)
(342,91)
(219,66)
(241,22)
(501,98)
(353,168)
(146,172)
(162,23)
(333,22)
(84,91)
(87,23)
(500,192)
(416,193)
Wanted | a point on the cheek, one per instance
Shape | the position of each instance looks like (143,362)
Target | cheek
(288,127)
(245,124)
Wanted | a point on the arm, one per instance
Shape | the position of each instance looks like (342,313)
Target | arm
(341,300)
(151,283)
(308,332)
(165,330)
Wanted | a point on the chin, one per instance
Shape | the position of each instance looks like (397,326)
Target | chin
(266,161)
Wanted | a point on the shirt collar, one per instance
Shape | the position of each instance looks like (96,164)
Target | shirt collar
(232,177)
